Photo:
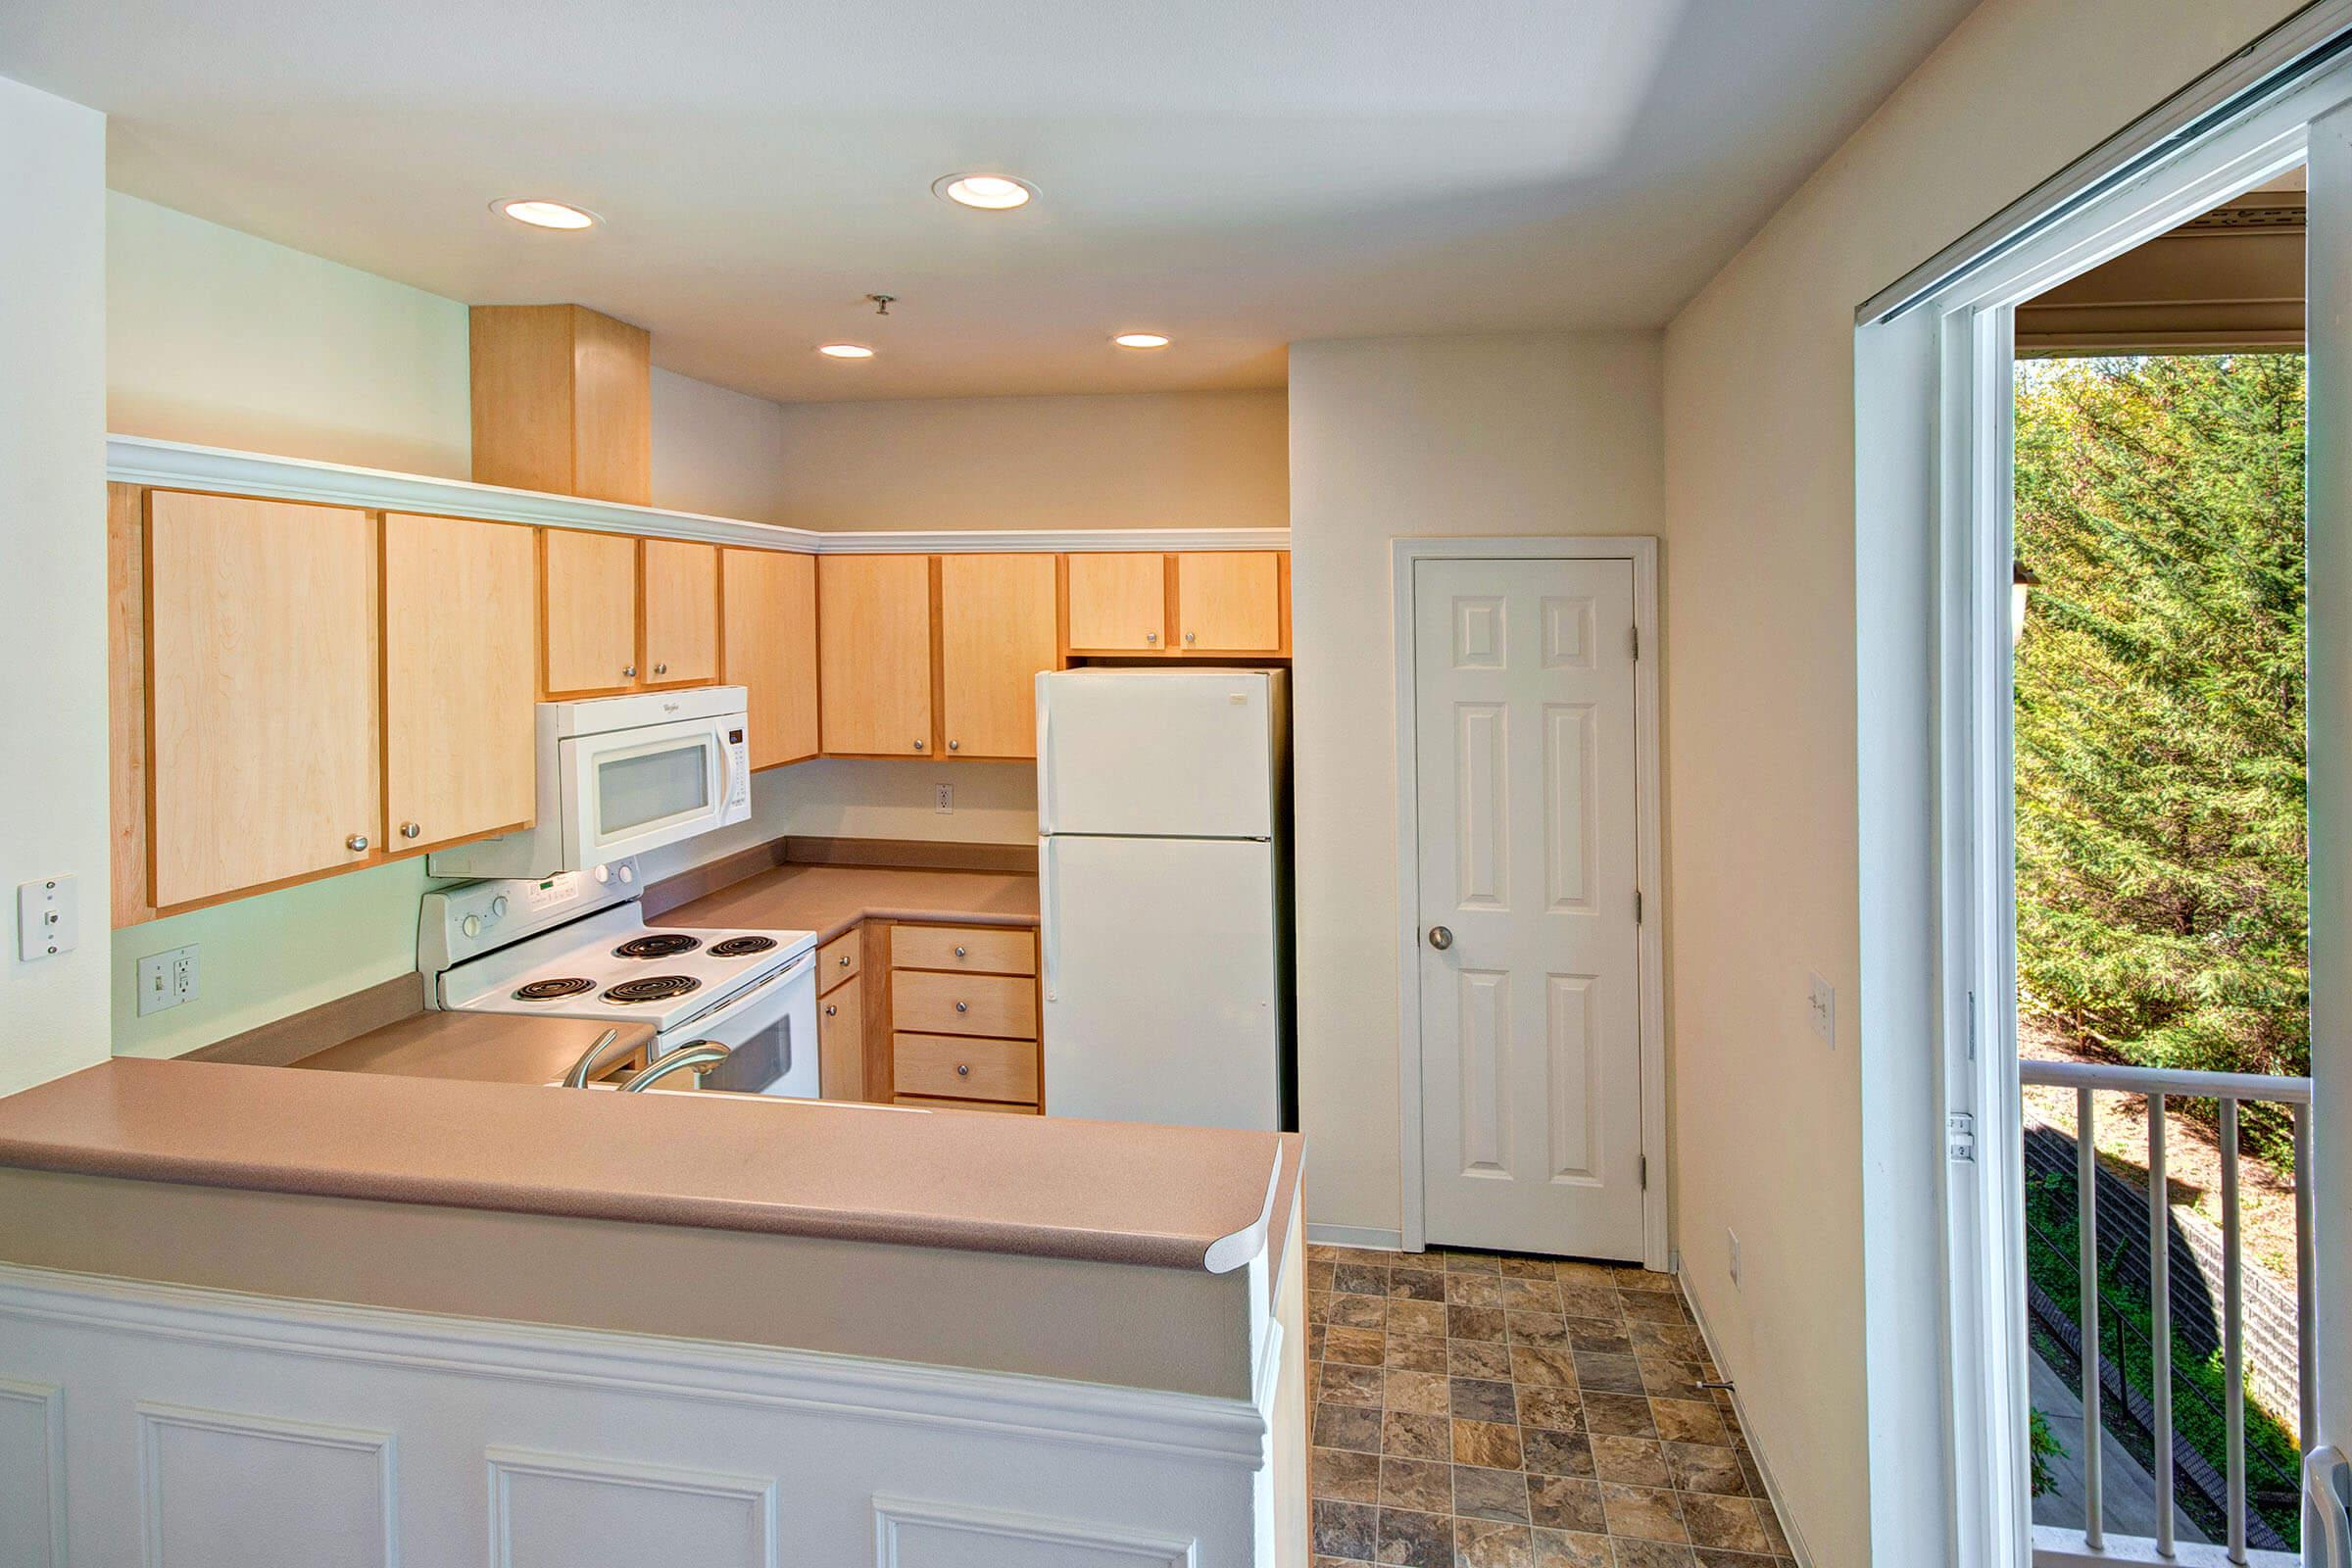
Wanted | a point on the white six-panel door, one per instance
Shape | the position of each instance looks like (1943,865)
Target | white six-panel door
(1528,873)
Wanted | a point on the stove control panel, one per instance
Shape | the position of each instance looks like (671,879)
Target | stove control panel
(472,918)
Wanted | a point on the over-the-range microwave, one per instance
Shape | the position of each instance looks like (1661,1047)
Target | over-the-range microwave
(621,775)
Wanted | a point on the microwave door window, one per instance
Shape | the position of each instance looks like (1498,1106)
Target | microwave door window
(635,791)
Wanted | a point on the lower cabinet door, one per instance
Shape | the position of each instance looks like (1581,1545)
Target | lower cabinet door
(841,1042)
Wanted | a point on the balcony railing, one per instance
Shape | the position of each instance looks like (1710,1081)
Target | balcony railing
(2094,1543)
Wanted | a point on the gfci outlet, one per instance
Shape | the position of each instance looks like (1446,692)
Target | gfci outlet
(1820,1000)
(946,800)
(167,979)
(1733,1237)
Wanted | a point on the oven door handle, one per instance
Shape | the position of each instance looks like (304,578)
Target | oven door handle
(702,1021)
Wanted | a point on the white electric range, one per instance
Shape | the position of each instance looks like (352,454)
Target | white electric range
(576,945)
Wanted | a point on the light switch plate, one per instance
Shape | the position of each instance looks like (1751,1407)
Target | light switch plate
(1821,1001)
(48,918)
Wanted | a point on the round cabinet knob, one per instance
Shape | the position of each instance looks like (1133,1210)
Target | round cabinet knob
(845,960)
(1153,638)
(498,907)
(661,670)
(955,746)
(1439,938)
(918,746)
(959,952)
(963,1007)
(831,1011)
(409,830)
(629,671)
(1188,638)
(473,925)
(963,1070)
(358,841)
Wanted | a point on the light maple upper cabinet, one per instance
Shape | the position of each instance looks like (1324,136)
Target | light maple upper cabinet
(562,401)
(459,649)
(997,631)
(769,646)
(590,585)
(682,612)
(1118,602)
(1230,602)
(874,654)
(261,693)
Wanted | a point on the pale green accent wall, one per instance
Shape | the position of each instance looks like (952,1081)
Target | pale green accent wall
(219,338)
(265,956)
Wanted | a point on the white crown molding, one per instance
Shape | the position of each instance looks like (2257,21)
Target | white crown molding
(1220,1431)
(180,466)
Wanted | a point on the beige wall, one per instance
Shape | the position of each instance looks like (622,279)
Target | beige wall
(1190,459)
(219,338)
(1761,702)
(1391,438)
(717,452)
(53,1011)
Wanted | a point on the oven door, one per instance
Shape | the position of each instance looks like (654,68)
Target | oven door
(771,1029)
(635,790)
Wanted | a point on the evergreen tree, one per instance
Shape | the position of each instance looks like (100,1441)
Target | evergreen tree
(2161,870)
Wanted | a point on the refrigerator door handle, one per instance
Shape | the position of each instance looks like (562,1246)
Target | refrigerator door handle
(1048,915)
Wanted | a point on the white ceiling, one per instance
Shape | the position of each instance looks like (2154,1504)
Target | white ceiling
(1239,174)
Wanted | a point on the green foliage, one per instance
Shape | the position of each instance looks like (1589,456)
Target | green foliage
(2161,871)
(2043,1445)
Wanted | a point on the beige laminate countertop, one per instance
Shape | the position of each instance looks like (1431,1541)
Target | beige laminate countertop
(1177,1198)
(491,1047)
(830,899)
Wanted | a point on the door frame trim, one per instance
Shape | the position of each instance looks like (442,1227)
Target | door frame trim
(1641,550)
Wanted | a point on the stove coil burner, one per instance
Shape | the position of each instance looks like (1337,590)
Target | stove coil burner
(550,990)
(661,945)
(741,947)
(653,987)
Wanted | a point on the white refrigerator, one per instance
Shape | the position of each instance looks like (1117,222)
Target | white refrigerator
(1164,884)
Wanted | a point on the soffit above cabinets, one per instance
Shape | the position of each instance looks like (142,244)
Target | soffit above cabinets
(180,466)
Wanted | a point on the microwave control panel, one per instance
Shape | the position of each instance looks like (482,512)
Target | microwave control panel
(739,768)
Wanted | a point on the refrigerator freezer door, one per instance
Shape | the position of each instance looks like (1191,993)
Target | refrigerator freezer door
(1165,753)
(1159,982)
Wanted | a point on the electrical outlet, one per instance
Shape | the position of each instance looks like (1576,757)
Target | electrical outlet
(1821,1001)
(167,979)
(1733,1237)
(945,805)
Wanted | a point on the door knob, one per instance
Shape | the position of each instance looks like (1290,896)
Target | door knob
(1439,938)
(358,841)
(661,670)
(955,746)
(832,1010)
(1153,638)
(409,830)
(918,746)
(1188,638)
(629,671)
(964,1069)
(963,1007)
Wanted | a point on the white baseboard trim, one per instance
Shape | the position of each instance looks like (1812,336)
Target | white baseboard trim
(1772,1490)
(1195,1425)
(1365,1235)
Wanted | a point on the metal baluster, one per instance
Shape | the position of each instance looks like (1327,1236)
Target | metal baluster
(2086,1311)
(2160,1328)
(2307,1291)
(2234,1337)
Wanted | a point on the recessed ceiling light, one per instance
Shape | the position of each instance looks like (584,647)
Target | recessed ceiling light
(845,351)
(1141,340)
(990,192)
(544,214)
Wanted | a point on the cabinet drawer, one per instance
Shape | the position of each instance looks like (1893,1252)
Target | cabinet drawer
(954,1067)
(964,1004)
(837,960)
(982,951)
(841,1044)
(927,1103)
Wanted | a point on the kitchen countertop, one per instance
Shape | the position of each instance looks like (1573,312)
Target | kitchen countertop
(1177,1198)
(831,899)
(492,1047)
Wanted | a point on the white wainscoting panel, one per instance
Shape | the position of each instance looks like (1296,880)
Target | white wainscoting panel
(32,1475)
(935,1534)
(551,1510)
(221,1490)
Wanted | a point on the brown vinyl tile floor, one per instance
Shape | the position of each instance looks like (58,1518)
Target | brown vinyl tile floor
(1480,1411)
